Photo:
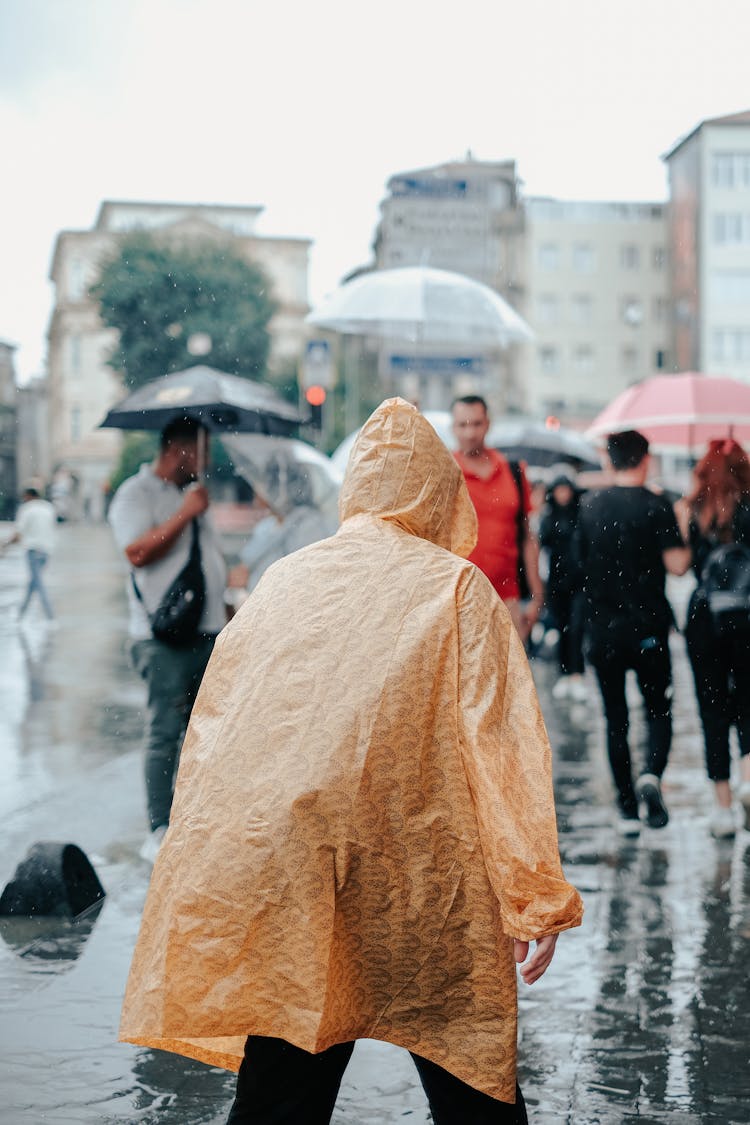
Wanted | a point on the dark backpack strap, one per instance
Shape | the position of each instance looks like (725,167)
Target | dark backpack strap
(195,550)
(517,474)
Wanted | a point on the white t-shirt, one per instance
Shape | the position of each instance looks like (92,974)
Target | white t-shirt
(142,502)
(36,523)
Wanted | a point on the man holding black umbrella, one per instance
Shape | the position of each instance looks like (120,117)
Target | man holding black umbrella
(160,521)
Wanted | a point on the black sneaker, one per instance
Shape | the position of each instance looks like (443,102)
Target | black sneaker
(648,791)
(628,824)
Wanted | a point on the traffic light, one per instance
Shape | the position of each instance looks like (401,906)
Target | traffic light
(316,396)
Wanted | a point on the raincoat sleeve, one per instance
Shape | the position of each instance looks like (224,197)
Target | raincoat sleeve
(507,759)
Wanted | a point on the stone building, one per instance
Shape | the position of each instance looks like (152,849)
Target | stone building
(81,385)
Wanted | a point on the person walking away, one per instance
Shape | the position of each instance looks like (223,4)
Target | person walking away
(626,541)
(506,546)
(714,516)
(152,516)
(36,525)
(563,593)
(363,839)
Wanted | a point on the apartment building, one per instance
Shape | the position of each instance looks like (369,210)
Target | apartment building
(597,298)
(709,236)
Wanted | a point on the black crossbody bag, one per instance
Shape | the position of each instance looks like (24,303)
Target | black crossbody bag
(177,617)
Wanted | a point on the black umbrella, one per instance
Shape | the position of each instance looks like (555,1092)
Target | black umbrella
(526,439)
(223,403)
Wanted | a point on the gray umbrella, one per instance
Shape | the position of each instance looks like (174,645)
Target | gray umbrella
(223,403)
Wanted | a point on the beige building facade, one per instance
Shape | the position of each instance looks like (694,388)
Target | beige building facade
(82,386)
(597,299)
(709,225)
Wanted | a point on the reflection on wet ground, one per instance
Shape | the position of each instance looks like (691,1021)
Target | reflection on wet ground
(644,1015)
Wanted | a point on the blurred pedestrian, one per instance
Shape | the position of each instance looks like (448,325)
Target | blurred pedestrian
(627,539)
(35,530)
(563,593)
(157,516)
(715,514)
(363,839)
(276,536)
(507,551)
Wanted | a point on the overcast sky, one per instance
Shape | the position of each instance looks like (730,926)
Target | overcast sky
(309,107)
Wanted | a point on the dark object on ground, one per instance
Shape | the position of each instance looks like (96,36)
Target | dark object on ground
(54,879)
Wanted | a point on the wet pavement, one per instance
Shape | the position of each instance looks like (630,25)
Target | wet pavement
(644,1015)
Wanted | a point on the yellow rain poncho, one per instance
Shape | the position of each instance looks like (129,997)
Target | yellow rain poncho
(363,818)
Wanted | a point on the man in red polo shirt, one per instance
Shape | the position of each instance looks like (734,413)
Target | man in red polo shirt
(496,497)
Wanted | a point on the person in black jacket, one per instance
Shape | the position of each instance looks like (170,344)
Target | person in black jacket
(556,531)
(627,540)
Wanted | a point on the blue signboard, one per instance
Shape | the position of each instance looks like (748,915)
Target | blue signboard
(446,365)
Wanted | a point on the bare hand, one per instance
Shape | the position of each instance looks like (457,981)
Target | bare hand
(196,501)
(540,960)
(531,611)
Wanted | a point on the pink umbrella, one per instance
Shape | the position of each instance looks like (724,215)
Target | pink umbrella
(685,410)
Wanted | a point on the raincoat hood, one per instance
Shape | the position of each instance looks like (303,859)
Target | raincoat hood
(399,470)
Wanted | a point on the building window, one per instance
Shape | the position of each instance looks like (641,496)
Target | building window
(629,360)
(549,308)
(584,258)
(660,310)
(75,355)
(659,257)
(731,228)
(549,256)
(731,287)
(630,256)
(581,306)
(76,279)
(631,311)
(731,345)
(730,170)
(583,359)
(75,423)
(549,360)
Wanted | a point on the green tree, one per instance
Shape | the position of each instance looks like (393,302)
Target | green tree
(176,305)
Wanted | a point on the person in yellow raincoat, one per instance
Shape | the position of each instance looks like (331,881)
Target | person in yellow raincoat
(362,841)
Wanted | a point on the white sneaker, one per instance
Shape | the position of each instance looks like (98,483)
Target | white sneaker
(743,795)
(560,690)
(152,843)
(722,822)
(628,825)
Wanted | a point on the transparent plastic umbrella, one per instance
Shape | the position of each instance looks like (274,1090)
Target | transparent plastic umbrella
(424,306)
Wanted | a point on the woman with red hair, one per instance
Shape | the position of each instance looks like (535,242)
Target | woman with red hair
(715,513)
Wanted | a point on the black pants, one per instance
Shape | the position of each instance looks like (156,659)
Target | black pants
(611,655)
(279,1084)
(567,609)
(721,670)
